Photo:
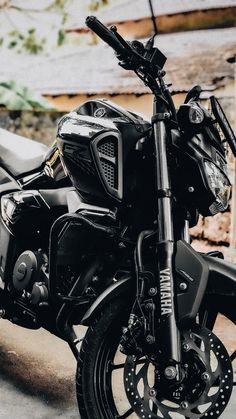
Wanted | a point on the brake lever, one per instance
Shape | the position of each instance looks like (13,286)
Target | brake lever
(134,54)
(140,55)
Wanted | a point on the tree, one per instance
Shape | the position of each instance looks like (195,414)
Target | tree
(30,41)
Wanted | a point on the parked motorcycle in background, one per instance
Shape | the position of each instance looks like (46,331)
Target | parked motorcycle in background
(95,233)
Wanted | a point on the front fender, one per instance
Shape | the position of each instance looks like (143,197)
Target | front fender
(122,287)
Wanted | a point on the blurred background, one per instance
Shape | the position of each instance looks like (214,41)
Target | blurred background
(50,63)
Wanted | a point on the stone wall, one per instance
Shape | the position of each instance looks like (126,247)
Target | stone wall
(214,230)
(39,126)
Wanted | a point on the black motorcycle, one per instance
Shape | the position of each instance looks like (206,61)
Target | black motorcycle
(96,233)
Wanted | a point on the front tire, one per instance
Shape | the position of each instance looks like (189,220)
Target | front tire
(100,342)
(100,367)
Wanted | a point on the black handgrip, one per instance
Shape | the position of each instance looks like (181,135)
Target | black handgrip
(106,35)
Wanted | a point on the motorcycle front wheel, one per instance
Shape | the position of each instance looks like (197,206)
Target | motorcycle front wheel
(98,364)
(106,387)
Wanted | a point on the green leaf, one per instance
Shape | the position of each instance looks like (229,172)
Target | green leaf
(13,33)
(12,101)
(15,96)
(65,17)
(61,37)
(12,44)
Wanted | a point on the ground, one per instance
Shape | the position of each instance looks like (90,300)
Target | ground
(37,374)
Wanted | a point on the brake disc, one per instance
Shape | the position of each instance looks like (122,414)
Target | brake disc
(204,390)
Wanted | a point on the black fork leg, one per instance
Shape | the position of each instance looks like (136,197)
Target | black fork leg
(169,333)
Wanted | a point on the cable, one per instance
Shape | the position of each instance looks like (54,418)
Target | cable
(153,17)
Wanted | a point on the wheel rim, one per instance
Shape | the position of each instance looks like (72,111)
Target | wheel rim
(204,391)
(110,363)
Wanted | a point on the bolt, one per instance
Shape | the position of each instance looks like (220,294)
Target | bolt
(149,306)
(121,245)
(186,347)
(152,392)
(161,73)
(205,376)
(191,189)
(184,405)
(152,291)
(150,339)
(170,373)
(183,286)
(181,388)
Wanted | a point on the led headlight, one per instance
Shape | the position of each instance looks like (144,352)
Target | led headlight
(191,117)
(220,187)
(196,114)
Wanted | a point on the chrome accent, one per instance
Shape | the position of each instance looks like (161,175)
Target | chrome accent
(30,178)
(186,234)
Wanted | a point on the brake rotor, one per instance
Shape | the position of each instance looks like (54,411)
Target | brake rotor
(204,391)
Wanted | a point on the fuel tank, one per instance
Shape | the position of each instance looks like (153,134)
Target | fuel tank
(96,142)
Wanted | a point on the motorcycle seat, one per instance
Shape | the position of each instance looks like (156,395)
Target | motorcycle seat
(20,155)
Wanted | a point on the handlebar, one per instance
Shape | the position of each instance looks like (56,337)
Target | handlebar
(106,35)
(147,61)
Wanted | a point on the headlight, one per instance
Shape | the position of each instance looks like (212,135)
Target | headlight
(220,187)
(196,114)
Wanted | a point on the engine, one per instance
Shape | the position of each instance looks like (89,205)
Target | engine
(30,276)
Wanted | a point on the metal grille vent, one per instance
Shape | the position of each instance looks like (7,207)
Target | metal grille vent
(108,155)
(107,148)
(109,173)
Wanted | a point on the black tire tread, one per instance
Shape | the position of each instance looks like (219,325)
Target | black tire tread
(86,403)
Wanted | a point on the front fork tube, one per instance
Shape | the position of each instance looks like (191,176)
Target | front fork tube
(169,333)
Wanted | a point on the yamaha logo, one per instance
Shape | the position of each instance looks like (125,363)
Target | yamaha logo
(166,292)
(100,112)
